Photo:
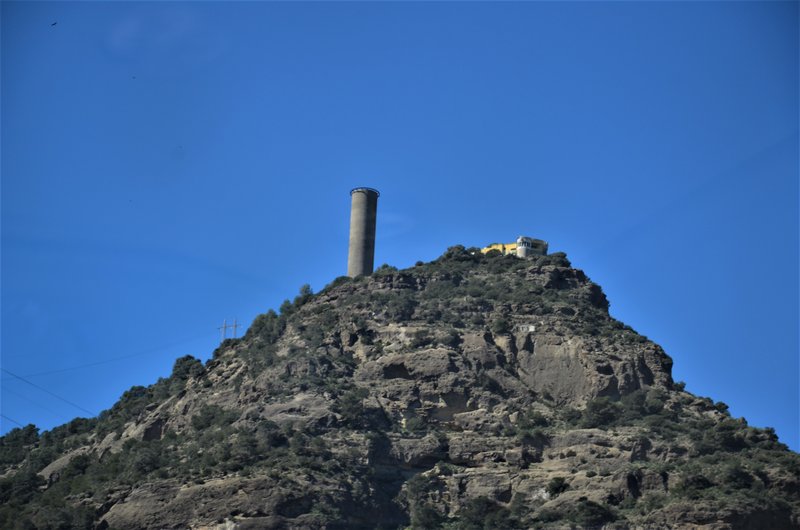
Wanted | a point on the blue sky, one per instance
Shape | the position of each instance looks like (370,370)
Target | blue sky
(166,166)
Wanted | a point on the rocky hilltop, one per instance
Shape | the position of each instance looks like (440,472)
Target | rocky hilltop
(472,392)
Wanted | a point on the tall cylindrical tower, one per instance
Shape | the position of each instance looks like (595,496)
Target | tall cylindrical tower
(363,213)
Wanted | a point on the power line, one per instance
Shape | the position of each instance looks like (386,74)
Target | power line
(105,361)
(12,421)
(87,365)
(115,359)
(54,413)
(51,393)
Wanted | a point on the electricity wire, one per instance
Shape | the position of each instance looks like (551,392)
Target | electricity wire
(87,365)
(32,402)
(49,392)
(12,421)
(120,358)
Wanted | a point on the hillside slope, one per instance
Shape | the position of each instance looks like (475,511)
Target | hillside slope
(470,392)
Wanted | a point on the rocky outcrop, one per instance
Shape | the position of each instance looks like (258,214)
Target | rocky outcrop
(483,391)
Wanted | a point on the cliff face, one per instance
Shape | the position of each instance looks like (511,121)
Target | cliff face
(470,392)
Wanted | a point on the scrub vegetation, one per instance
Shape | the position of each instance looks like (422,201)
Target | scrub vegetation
(410,398)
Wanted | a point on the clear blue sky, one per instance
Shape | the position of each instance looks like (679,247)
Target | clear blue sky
(169,165)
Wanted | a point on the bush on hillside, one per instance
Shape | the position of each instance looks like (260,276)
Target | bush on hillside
(15,444)
(600,412)
(557,486)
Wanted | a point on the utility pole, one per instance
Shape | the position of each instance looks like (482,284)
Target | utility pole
(224,328)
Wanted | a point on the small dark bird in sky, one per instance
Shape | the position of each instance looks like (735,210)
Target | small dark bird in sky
(54,23)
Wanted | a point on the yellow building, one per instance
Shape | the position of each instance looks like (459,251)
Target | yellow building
(522,247)
(504,248)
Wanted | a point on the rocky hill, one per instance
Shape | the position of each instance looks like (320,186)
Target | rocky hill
(472,392)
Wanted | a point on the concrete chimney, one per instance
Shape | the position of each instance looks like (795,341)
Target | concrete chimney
(363,214)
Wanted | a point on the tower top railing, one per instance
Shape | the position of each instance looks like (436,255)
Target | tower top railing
(364,188)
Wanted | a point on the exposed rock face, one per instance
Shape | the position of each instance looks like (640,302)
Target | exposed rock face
(476,391)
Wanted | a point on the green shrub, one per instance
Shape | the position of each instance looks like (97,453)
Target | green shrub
(269,435)
(535,437)
(692,485)
(736,477)
(400,307)
(286,308)
(501,326)
(186,367)
(16,443)
(421,338)
(77,465)
(244,450)
(459,253)
(451,339)
(146,458)
(416,494)
(416,424)
(589,514)
(641,403)
(212,416)
(550,515)
(384,270)
(20,487)
(350,406)
(586,513)
(569,415)
(418,486)
(482,513)
(490,384)
(557,486)
(340,280)
(531,418)
(424,517)
(655,401)
(727,435)
(559,259)
(62,517)
(600,412)
(633,404)
(268,326)
(130,405)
